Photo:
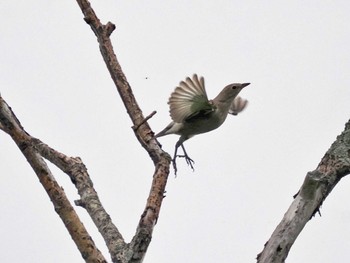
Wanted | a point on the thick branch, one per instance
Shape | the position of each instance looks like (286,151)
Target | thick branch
(317,185)
(77,171)
(136,250)
(85,244)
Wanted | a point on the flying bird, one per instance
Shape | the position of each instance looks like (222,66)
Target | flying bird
(193,113)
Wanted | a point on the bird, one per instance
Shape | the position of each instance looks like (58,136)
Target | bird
(192,113)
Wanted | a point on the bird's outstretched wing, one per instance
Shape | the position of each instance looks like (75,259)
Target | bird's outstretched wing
(237,105)
(189,99)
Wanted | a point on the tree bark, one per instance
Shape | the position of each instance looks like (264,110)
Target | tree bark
(35,150)
(27,144)
(314,190)
(138,246)
(316,187)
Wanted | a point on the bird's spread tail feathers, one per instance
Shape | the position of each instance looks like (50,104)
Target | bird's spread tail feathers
(237,105)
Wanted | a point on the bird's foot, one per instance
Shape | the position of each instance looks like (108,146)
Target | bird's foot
(189,161)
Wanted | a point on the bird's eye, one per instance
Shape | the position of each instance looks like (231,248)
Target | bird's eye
(234,87)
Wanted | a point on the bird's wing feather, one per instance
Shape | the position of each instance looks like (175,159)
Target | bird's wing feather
(237,105)
(188,99)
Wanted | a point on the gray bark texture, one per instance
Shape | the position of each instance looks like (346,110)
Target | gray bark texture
(317,184)
(36,152)
(334,165)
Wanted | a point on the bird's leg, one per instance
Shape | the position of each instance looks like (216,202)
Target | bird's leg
(174,158)
(189,161)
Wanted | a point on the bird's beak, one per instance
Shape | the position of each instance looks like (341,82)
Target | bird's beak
(245,85)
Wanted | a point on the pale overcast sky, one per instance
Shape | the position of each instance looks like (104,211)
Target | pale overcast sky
(296,56)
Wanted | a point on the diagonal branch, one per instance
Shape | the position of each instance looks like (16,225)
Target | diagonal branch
(34,150)
(136,250)
(77,171)
(10,124)
(316,187)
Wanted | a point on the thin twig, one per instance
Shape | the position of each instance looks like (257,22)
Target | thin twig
(135,128)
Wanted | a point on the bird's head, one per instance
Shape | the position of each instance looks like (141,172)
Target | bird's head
(230,92)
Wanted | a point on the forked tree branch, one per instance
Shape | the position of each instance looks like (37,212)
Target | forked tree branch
(317,185)
(27,144)
(76,170)
(139,244)
(34,150)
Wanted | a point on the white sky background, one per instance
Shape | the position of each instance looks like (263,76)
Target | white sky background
(296,55)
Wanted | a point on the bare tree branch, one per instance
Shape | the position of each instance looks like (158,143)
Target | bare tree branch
(139,244)
(34,150)
(77,171)
(84,242)
(317,185)
(314,190)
